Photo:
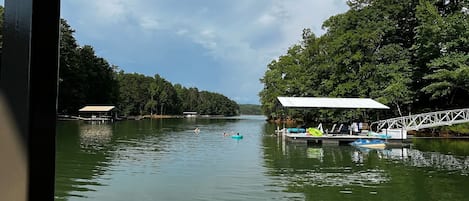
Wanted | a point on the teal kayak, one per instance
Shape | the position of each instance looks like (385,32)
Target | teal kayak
(237,136)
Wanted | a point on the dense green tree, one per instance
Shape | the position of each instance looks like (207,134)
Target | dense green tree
(168,100)
(442,42)
(250,109)
(409,54)
(133,90)
(71,94)
(84,77)
(151,104)
(205,103)
(140,95)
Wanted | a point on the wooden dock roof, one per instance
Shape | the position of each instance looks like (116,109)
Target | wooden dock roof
(104,108)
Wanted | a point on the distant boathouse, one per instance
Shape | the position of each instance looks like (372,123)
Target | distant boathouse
(190,114)
(99,113)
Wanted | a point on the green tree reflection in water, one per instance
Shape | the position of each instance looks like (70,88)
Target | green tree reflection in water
(164,160)
(345,173)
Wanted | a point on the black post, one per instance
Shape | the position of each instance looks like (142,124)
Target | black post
(28,79)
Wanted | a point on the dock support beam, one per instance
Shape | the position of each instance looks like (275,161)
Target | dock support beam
(330,142)
(28,81)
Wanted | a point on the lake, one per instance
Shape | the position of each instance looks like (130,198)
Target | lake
(164,159)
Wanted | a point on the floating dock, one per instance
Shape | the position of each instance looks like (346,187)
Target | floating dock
(93,119)
(335,139)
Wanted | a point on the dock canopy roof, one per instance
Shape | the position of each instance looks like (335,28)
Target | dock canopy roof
(322,102)
(96,108)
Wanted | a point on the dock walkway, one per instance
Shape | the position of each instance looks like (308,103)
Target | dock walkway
(100,119)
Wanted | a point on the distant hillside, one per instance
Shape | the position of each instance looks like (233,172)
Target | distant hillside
(250,109)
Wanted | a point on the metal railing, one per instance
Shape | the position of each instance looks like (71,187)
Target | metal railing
(425,120)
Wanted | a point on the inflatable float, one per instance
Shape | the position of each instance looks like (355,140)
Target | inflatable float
(314,132)
(237,136)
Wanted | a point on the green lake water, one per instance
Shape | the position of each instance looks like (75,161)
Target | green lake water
(165,160)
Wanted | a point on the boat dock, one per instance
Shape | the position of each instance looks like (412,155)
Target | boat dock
(335,139)
(92,119)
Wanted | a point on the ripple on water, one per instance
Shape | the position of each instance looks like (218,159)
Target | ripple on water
(364,178)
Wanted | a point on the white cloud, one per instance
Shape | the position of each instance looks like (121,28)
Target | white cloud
(149,23)
(181,32)
(109,10)
(207,33)
(207,39)
(243,36)
(266,19)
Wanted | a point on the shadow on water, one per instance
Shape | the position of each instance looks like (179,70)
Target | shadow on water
(459,147)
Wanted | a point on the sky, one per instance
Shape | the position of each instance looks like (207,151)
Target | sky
(222,46)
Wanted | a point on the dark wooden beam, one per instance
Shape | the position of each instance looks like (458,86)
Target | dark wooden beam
(28,80)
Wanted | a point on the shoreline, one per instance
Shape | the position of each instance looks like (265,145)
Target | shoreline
(140,117)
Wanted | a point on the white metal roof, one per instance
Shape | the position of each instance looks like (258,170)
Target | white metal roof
(322,102)
(96,108)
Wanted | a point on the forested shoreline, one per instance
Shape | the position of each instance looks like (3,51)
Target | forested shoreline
(250,109)
(87,79)
(412,55)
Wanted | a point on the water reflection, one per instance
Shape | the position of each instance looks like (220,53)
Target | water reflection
(164,160)
(315,152)
(416,158)
(345,172)
(81,156)
(436,160)
(446,146)
(94,136)
(361,153)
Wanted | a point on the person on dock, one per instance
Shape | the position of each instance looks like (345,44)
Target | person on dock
(354,128)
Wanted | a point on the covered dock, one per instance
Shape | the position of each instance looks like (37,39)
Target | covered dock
(100,113)
(189,114)
(324,102)
(333,137)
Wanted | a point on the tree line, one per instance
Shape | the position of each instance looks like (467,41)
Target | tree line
(412,55)
(140,94)
(250,109)
(87,79)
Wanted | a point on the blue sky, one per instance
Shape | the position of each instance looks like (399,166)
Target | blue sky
(222,46)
